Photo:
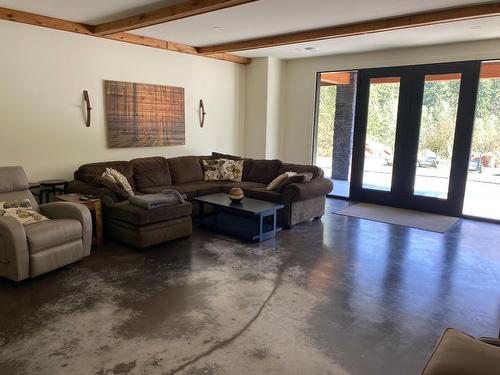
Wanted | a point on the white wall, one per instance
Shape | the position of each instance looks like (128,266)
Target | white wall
(301,83)
(265,103)
(43,73)
(256,108)
(275,108)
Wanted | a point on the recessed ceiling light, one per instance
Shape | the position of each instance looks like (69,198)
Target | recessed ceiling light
(311,49)
(217,28)
(475,27)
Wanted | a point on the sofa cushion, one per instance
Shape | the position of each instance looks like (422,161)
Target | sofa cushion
(244,185)
(458,353)
(47,234)
(131,214)
(265,195)
(263,171)
(86,171)
(222,170)
(201,188)
(150,172)
(185,169)
(218,155)
(287,167)
(247,163)
(191,189)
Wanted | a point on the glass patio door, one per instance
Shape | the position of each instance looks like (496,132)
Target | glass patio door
(412,136)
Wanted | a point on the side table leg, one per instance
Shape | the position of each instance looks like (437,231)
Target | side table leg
(98,224)
(261,227)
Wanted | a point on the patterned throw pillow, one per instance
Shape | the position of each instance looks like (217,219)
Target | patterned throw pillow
(120,180)
(21,211)
(222,170)
(274,184)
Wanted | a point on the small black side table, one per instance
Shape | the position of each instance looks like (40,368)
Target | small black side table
(36,190)
(53,187)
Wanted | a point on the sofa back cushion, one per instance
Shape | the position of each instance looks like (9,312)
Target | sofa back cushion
(150,172)
(263,171)
(287,167)
(185,169)
(90,172)
(247,163)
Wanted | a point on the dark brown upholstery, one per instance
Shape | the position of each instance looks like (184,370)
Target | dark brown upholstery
(263,171)
(142,236)
(149,172)
(458,353)
(86,171)
(187,189)
(264,194)
(306,190)
(302,200)
(185,169)
(131,214)
(200,188)
(287,167)
(244,185)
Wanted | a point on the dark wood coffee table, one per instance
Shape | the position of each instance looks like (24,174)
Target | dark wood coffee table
(251,219)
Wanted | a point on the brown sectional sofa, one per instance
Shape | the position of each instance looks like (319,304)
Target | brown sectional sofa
(302,201)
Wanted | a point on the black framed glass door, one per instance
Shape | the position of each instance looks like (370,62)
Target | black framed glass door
(412,135)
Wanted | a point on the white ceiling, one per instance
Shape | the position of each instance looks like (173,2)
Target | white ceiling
(486,28)
(269,17)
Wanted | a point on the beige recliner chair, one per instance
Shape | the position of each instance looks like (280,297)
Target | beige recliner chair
(31,250)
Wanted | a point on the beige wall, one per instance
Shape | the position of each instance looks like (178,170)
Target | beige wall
(301,83)
(275,108)
(43,75)
(265,103)
(256,108)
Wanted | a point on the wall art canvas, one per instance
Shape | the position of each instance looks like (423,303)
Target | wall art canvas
(144,115)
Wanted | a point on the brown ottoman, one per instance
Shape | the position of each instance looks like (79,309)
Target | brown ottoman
(142,228)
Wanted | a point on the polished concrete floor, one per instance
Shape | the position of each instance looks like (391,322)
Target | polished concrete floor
(337,296)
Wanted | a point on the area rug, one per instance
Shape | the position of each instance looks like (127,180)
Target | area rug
(399,216)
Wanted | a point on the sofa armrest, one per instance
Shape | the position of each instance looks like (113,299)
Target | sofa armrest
(81,187)
(304,190)
(14,254)
(75,211)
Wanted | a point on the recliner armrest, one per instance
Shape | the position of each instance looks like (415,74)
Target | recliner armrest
(76,211)
(14,253)
(304,190)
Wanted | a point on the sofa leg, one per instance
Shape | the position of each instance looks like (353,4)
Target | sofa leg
(288,226)
(318,218)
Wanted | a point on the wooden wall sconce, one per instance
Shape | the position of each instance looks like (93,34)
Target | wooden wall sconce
(89,108)
(202,113)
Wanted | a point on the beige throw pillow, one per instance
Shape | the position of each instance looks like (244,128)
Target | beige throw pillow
(222,170)
(120,180)
(21,211)
(273,185)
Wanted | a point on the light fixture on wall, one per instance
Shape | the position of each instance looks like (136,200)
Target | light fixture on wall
(202,113)
(88,107)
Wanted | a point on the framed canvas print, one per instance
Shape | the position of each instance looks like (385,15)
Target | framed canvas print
(144,115)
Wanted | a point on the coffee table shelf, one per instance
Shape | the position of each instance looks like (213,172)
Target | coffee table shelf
(251,219)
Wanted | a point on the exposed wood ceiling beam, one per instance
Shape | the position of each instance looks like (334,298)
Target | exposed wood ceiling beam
(167,14)
(79,28)
(361,28)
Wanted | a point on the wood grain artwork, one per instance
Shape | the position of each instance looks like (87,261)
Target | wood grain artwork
(142,115)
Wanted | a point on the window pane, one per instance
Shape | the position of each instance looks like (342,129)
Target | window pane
(437,134)
(335,126)
(482,195)
(381,133)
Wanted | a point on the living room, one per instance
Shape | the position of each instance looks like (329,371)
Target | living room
(249,186)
